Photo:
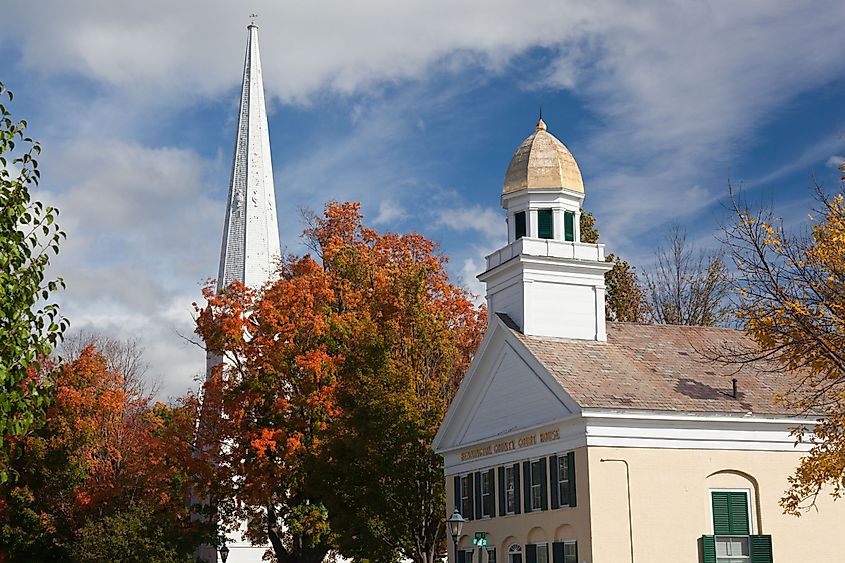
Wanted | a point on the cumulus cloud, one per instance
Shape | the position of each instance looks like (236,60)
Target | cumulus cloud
(142,233)
(676,91)
(485,220)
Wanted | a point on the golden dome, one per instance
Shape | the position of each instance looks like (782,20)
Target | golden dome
(543,162)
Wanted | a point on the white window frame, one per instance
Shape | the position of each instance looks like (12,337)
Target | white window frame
(563,484)
(486,496)
(510,490)
(748,500)
(748,494)
(463,482)
(544,545)
(744,558)
(539,484)
(570,543)
(514,549)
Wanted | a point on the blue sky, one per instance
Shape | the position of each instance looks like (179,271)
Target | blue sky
(414,109)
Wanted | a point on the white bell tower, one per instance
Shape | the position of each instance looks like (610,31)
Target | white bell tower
(546,280)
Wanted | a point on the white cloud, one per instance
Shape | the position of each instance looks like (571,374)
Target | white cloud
(389,212)
(142,234)
(676,90)
(835,161)
(485,220)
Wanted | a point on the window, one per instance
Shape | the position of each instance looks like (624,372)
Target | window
(466,496)
(515,553)
(563,480)
(569,226)
(732,541)
(487,494)
(565,552)
(519,225)
(731,526)
(545,225)
(732,549)
(510,490)
(730,513)
(491,555)
(570,552)
(537,485)
(537,553)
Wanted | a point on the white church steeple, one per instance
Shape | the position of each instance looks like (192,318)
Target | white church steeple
(546,280)
(250,234)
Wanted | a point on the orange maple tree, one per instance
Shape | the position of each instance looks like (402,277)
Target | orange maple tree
(102,454)
(367,311)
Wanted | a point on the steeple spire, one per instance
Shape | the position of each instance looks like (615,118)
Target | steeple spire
(250,234)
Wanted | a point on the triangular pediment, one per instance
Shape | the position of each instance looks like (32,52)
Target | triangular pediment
(505,390)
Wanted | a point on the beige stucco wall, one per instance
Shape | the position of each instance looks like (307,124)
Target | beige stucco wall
(536,527)
(670,505)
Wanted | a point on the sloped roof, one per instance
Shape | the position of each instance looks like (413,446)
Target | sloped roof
(657,367)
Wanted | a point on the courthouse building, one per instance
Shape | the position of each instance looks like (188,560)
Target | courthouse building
(573,439)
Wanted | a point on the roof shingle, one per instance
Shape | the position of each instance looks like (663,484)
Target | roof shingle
(658,367)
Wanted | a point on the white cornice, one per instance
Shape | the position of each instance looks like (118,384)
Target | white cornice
(642,429)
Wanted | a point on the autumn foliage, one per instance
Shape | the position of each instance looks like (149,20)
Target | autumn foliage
(792,303)
(369,326)
(103,455)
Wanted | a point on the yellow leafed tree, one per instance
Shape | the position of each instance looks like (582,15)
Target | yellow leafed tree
(792,303)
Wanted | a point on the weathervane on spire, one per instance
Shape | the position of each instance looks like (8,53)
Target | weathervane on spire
(252,17)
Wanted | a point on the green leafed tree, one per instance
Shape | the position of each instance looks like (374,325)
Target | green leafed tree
(30,324)
(623,300)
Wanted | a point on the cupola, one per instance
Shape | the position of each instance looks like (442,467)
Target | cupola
(542,162)
(545,279)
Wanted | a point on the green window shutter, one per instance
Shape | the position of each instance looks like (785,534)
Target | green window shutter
(491,500)
(517,502)
(570,464)
(545,223)
(526,485)
(569,226)
(519,224)
(553,479)
(462,556)
(707,549)
(739,513)
(458,492)
(761,549)
(557,552)
(531,553)
(503,492)
(470,492)
(477,477)
(721,513)
(544,487)
(730,513)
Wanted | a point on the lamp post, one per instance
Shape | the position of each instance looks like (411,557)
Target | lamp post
(456,524)
(628,481)
(224,553)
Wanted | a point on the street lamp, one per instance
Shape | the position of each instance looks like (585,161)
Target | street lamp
(456,524)
(224,553)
